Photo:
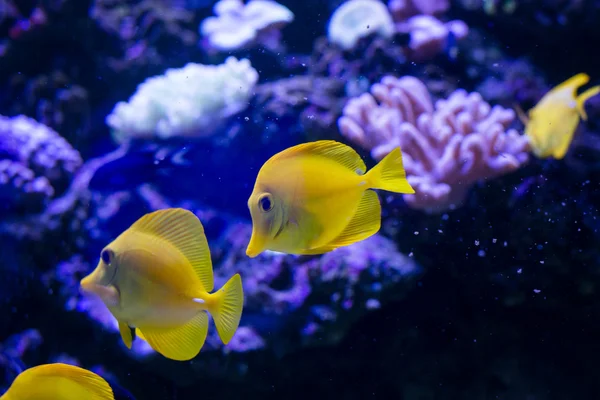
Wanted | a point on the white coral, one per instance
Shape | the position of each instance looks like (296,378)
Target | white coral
(189,101)
(356,19)
(237,26)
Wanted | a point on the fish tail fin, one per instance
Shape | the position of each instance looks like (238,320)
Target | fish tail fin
(390,175)
(226,309)
(583,97)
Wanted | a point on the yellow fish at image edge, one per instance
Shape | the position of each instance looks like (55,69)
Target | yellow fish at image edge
(157,277)
(58,382)
(552,122)
(315,197)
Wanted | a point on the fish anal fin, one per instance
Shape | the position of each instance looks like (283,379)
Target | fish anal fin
(563,143)
(95,386)
(365,223)
(583,97)
(335,151)
(126,335)
(182,229)
(181,343)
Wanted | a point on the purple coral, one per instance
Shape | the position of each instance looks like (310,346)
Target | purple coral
(447,148)
(430,36)
(36,163)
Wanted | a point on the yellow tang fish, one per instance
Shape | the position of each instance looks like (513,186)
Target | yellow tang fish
(553,121)
(156,276)
(58,382)
(315,197)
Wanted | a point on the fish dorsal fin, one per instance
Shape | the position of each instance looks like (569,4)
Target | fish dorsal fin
(95,385)
(335,151)
(573,83)
(365,222)
(181,343)
(182,229)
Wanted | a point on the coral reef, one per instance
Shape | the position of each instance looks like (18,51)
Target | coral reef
(496,299)
(191,101)
(429,36)
(316,102)
(36,164)
(148,30)
(447,148)
(55,101)
(356,19)
(239,26)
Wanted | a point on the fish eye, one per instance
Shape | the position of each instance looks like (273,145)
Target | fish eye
(265,202)
(107,256)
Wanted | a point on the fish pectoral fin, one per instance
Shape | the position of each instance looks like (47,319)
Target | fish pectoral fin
(181,343)
(365,222)
(184,231)
(521,114)
(139,334)
(95,385)
(336,151)
(583,97)
(126,335)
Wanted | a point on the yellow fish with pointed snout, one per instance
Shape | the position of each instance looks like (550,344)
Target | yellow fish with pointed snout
(552,122)
(316,197)
(157,277)
(58,382)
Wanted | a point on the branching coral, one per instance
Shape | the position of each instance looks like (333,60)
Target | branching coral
(239,26)
(36,164)
(189,101)
(447,148)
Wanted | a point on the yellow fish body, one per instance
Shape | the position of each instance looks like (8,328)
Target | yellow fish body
(553,121)
(315,197)
(58,382)
(157,277)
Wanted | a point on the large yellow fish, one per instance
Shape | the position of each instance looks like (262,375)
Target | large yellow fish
(315,197)
(553,121)
(58,382)
(156,276)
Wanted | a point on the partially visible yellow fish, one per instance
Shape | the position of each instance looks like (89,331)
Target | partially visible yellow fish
(553,121)
(156,277)
(58,382)
(315,197)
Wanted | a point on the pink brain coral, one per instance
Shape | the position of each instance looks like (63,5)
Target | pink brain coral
(447,147)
